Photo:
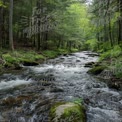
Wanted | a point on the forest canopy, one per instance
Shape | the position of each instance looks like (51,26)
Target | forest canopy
(68,24)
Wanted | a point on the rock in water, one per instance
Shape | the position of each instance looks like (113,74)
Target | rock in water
(96,70)
(89,64)
(67,112)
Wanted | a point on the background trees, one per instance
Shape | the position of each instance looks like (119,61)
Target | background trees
(107,20)
(52,24)
(65,23)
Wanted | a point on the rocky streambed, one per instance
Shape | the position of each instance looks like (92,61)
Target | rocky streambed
(29,95)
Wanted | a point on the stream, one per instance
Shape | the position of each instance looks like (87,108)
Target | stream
(28,95)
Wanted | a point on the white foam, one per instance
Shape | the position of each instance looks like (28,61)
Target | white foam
(13,83)
(41,69)
(109,91)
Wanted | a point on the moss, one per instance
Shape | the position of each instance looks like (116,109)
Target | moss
(13,59)
(74,50)
(69,112)
(10,59)
(118,75)
(53,109)
(63,51)
(74,114)
(50,54)
(96,70)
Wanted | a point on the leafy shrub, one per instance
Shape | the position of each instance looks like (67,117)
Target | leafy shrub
(105,46)
(113,53)
(116,51)
(50,54)
(118,68)
(92,43)
(8,58)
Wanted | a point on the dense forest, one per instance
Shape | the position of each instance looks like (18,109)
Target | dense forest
(52,26)
(60,24)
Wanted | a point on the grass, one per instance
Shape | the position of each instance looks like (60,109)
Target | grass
(113,53)
(113,59)
(20,56)
(17,57)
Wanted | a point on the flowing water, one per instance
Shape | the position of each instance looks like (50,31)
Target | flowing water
(28,96)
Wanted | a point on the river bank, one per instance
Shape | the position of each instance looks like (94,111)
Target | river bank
(108,69)
(14,61)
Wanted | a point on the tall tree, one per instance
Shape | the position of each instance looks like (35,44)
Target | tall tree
(11,25)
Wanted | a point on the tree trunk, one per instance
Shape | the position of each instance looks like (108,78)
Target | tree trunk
(120,22)
(110,34)
(1,22)
(10,26)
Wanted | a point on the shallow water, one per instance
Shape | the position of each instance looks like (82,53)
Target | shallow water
(60,79)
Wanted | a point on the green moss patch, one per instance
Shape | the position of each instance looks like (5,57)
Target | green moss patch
(50,54)
(27,57)
(97,70)
(69,112)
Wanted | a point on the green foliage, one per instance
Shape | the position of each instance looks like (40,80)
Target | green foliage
(116,66)
(92,44)
(76,112)
(62,51)
(9,58)
(78,101)
(17,57)
(74,50)
(74,24)
(96,70)
(32,56)
(105,55)
(51,44)
(118,70)
(113,53)
(70,112)
(103,47)
(50,53)
(2,5)
(116,51)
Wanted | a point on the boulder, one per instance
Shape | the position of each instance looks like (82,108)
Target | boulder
(67,112)
(96,70)
(56,89)
(29,63)
(89,64)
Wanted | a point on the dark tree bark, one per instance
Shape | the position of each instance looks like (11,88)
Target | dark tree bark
(120,22)
(1,24)
(10,25)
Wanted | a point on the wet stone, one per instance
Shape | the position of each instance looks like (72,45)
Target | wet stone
(32,102)
(57,89)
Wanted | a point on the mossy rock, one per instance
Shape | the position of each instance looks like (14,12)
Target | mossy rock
(67,112)
(89,64)
(30,63)
(97,70)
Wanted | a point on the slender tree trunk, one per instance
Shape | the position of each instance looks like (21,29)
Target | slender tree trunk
(1,22)
(110,34)
(10,26)
(120,22)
